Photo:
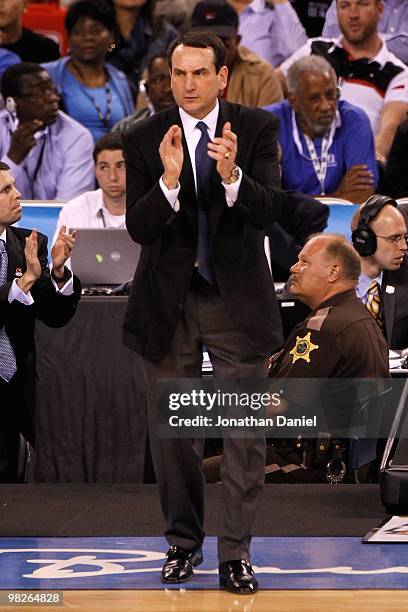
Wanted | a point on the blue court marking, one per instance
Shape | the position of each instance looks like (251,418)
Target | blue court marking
(135,563)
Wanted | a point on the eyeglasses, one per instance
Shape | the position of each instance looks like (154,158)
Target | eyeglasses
(395,239)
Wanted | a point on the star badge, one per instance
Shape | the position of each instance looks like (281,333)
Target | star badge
(303,348)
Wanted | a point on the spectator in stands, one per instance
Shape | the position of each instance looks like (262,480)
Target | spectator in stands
(93,92)
(105,206)
(28,45)
(380,238)
(393,24)
(396,173)
(158,90)
(327,146)
(370,75)
(312,14)
(7,58)
(138,35)
(49,154)
(251,80)
(270,28)
(177,12)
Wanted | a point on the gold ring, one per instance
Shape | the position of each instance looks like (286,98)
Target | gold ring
(227,155)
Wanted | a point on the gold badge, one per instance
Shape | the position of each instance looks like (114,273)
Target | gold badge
(302,348)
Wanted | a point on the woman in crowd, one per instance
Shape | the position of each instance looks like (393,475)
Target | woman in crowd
(93,92)
(139,35)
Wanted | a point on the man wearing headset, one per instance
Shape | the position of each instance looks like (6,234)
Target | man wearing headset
(380,238)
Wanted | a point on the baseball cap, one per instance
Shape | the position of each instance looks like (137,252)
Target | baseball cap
(215,16)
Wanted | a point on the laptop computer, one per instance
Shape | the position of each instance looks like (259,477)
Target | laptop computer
(104,257)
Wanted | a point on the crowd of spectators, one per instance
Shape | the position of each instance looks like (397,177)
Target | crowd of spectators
(332,72)
(341,98)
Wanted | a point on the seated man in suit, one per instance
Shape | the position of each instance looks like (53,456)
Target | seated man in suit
(380,238)
(327,146)
(28,291)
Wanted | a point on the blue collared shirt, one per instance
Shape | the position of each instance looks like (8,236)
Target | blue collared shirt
(63,154)
(364,283)
(393,23)
(272,31)
(353,144)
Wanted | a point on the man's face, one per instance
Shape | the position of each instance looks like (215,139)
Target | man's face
(10,208)
(390,229)
(358,19)
(159,85)
(195,81)
(110,173)
(315,102)
(10,11)
(37,99)
(309,280)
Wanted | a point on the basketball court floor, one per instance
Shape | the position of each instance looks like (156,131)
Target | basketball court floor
(295,573)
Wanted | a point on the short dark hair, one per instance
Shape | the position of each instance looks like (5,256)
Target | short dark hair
(340,248)
(109,142)
(11,79)
(201,40)
(155,57)
(4,166)
(99,10)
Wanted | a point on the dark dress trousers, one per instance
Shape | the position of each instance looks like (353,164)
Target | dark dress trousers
(160,302)
(17,398)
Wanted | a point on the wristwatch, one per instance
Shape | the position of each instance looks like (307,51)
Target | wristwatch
(233,177)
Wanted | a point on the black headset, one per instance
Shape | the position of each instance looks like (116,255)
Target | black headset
(363,238)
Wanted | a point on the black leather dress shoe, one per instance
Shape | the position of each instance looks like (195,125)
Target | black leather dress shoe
(238,577)
(179,564)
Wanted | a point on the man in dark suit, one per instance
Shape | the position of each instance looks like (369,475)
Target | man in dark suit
(27,292)
(380,238)
(202,186)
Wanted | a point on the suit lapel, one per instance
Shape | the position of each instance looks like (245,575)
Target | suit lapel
(15,253)
(217,201)
(388,305)
(188,201)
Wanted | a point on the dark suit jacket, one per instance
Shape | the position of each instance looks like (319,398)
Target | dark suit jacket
(50,307)
(395,182)
(306,216)
(395,306)
(169,239)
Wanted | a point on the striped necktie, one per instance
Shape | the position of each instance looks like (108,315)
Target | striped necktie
(8,365)
(373,303)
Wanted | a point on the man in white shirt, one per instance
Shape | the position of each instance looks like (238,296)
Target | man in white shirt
(106,206)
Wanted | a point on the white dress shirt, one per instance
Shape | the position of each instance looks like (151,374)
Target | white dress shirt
(192,135)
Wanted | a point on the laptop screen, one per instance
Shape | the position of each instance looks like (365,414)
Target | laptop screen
(104,256)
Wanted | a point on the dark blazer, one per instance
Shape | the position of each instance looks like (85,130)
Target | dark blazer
(169,239)
(306,216)
(395,182)
(54,309)
(394,291)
